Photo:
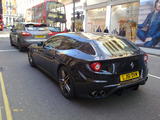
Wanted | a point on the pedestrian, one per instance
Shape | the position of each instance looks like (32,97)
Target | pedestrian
(122,32)
(106,30)
(115,32)
(99,29)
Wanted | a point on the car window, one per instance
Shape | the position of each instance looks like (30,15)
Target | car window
(115,46)
(31,28)
(87,48)
(54,42)
(36,27)
(68,43)
(19,26)
(16,26)
(54,29)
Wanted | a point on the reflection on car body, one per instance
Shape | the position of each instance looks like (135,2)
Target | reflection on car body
(90,65)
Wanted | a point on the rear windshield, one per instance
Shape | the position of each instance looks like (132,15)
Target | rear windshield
(115,46)
(36,27)
(54,29)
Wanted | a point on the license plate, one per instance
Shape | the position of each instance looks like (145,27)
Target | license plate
(129,76)
(40,36)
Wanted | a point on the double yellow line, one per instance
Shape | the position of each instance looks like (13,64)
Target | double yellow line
(5,100)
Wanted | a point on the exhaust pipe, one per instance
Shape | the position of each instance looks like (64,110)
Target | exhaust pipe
(102,93)
(94,93)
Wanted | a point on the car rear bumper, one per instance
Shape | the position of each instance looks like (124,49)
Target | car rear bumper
(102,90)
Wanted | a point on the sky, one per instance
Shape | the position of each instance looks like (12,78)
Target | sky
(22,5)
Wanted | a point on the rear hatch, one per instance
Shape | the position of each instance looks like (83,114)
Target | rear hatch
(36,32)
(120,57)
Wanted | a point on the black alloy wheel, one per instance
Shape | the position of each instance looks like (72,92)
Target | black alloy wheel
(66,83)
(30,59)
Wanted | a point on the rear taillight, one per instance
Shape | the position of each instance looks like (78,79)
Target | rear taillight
(38,25)
(51,33)
(96,66)
(26,34)
(145,57)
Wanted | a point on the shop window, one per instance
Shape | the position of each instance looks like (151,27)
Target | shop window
(124,19)
(96,18)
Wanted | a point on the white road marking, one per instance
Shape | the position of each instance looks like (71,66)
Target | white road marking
(154,76)
(4,35)
(1,113)
(11,50)
(154,56)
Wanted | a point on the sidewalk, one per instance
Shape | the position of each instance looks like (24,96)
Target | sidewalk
(4,34)
(151,51)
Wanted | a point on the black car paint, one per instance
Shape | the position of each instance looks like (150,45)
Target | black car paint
(86,80)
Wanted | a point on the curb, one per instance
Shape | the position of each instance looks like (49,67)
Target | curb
(154,54)
(151,51)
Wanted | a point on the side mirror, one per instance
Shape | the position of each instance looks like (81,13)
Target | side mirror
(40,43)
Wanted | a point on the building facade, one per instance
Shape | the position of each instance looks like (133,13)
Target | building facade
(113,14)
(116,15)
(9,11)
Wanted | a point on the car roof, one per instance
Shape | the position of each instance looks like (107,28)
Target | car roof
(87,37)
(74,36)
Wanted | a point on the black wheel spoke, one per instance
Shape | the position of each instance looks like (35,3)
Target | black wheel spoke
(66,78)
(67,88)
(64,82)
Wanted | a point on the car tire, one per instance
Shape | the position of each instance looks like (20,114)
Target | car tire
(136,87)
(66,83)
(30,59)
(21,49)
(11,43)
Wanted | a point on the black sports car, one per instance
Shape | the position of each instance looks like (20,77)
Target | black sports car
(90,65)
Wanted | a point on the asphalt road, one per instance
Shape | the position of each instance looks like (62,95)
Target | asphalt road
(28,94)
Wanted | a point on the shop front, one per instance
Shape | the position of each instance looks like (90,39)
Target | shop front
(96,18)
(124,19)
(121,17)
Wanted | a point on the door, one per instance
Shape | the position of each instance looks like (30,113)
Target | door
(48,55)
(38,55)
(14,35)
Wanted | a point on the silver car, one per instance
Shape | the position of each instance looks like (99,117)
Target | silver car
(24,34)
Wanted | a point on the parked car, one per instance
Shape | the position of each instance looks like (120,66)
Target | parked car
(90,65)
(24,34)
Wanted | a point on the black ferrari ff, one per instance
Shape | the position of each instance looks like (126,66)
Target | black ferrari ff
(90,64)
